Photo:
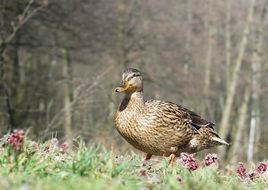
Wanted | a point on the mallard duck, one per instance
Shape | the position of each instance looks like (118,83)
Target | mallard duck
(160,127)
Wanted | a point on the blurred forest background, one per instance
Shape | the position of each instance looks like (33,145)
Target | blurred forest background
(60,61)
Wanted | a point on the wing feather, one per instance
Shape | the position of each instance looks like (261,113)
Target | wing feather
(184,114)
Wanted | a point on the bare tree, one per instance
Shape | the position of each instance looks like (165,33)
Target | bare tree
(67,93)
(228,41)
(237,149)
(224,126)
(210,45)
(256,67)
(6,38)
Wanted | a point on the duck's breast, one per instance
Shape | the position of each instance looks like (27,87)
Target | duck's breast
(138,131)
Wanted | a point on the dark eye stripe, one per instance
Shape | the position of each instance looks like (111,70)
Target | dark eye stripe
(137,74)
(132,76)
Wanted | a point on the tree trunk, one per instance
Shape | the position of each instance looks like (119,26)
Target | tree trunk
(67,97)
(187,56)
(211,33)
(255,94)
(228,42)
(4,121)
(224,126)
(241,126)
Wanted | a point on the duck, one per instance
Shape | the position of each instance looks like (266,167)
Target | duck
(157,127)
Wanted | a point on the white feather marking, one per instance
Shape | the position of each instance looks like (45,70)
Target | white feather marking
(219,140)
(194,142)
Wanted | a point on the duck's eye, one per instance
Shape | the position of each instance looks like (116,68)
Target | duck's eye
(130,77)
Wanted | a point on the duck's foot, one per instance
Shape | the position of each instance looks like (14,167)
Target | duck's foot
(172,159)
(147,159)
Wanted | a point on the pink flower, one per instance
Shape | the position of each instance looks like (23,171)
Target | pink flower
(242,171)
(64,147)
(262,167)
(188,161)
(211,159)
(143,173)
(16,139)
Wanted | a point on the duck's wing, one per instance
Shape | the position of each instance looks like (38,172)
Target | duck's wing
(179,125)
(182,113)
(195,120)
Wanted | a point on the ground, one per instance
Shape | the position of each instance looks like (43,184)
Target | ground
(51,165)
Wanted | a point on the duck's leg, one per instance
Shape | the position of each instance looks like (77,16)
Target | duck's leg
(172,159)
(147,158)
(172,156)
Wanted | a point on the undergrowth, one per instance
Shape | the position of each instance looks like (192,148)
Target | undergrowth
(51,165)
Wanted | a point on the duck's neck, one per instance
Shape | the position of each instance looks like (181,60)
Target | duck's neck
(133,100)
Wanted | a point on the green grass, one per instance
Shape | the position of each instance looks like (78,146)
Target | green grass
(96,168)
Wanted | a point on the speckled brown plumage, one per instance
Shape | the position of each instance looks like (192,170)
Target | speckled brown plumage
(159,127)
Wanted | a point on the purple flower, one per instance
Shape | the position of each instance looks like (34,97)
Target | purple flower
(64,147)
(211,159)
(262,167)
(16,139)
(242,171)
(143,173)
(188,161)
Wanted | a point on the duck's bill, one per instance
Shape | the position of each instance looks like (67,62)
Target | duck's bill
(120,89)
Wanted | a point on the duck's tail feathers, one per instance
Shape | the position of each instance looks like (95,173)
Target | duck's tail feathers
(220,141)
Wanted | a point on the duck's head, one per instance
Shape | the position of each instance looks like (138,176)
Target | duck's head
(131,81)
